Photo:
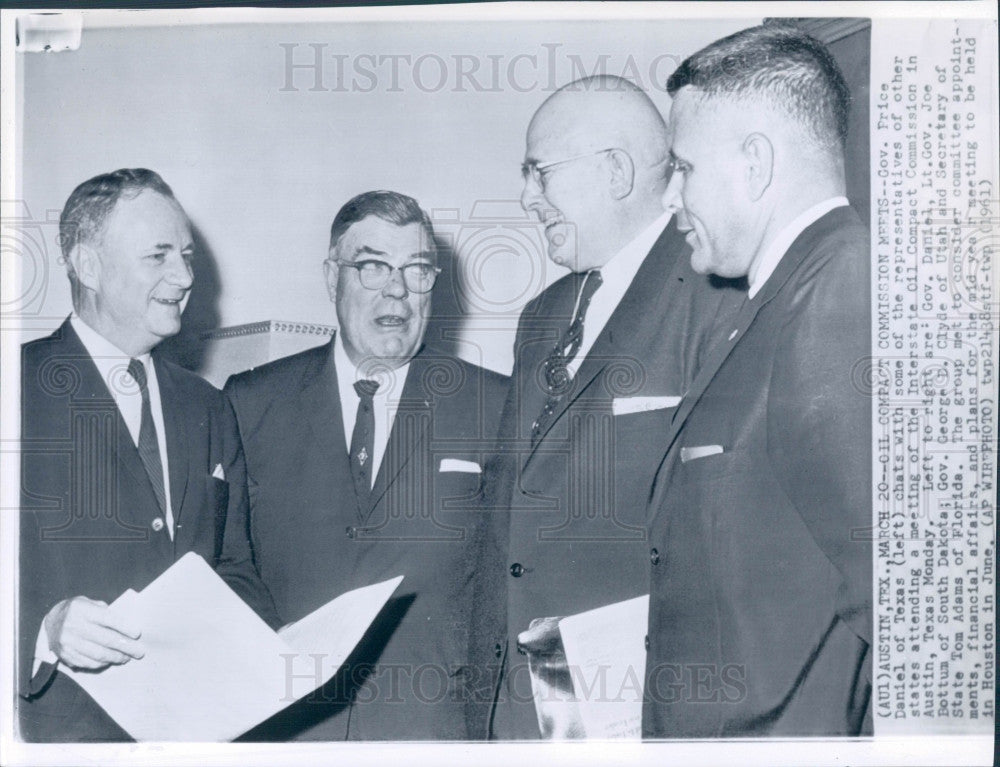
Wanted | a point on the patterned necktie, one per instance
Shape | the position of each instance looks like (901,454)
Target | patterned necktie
(363,440)
(557,375)
(149,446)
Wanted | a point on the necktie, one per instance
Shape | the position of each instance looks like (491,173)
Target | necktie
(149,446)
(557,376)
(363,440)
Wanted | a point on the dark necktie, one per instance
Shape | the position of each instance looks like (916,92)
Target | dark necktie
(557,376)
(149,446)
(363,440)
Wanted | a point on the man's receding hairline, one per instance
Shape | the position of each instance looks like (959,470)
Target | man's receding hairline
(132,193)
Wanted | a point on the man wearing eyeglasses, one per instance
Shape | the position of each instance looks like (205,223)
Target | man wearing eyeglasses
(361,456)
(601,359)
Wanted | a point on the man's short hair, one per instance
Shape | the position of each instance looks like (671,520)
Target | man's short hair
(88,207)
(779,64)
(396,208)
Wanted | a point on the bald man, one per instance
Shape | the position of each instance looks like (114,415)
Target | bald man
(601,359)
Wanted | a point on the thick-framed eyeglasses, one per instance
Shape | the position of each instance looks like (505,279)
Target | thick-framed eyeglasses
(374,274)
(537,171)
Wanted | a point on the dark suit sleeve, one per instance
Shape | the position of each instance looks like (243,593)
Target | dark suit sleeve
(819,419)
(236,563)
(34,605)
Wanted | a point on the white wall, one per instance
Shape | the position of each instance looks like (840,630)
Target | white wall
(262,169)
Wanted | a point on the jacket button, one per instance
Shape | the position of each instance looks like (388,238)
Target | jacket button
(497,649)
(646,642)
(351,531)
(517,570)
(654,556)
(157,524)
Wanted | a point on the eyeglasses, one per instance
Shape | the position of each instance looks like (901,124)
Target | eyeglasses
(374,275)
(536,170)
(677,165)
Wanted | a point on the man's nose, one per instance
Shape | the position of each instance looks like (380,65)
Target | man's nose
(395,287)
(531,194)
(672,196)
(181,273)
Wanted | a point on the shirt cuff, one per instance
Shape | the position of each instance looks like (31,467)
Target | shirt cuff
(43,653)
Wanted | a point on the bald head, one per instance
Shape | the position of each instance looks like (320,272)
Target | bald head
(597,150)
(600,112)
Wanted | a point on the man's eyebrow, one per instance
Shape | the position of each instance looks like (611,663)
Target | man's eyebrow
(369,251)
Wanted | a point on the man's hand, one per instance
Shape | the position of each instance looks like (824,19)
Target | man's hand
(84,634)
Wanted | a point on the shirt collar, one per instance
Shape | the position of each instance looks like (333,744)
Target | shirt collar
(109,359)
(772,256)
(617,274)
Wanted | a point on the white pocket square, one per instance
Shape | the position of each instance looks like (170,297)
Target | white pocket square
(691,453)
(626,405)
(457,464)
(218,472)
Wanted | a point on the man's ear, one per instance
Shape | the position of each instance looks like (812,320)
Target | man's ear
(331,273)
(759,154)
(86,264)
(622,173)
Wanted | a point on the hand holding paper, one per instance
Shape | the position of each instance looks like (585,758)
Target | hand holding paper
(213,669)
(86,634)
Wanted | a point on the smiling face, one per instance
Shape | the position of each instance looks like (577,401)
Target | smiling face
(572,202)
(708,183)
(139,272)
(386,324)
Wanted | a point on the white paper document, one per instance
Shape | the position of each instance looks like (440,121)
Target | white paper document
(213,669)
(606,654)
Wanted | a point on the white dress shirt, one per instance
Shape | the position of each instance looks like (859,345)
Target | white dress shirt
(617,274)
(776,250)
(385,403)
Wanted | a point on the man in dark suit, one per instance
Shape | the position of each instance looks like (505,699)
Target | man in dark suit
(128,462)
(760,607)
(363,457)
(601,358)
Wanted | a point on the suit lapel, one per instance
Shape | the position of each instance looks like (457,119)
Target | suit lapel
(408,429)
(93,391)
(789,263)
(644,296)
(323,424)
(175,427)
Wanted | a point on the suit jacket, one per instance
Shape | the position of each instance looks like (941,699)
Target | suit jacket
(760,607)
(315,541)
(563,527)
(88,510)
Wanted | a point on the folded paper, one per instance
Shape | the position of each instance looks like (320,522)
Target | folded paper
(212,668)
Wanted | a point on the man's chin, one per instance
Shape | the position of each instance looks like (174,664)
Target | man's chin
(701,263)
(399,350)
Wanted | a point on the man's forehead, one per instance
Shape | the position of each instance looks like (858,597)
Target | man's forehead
(148,216)
(375,236)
